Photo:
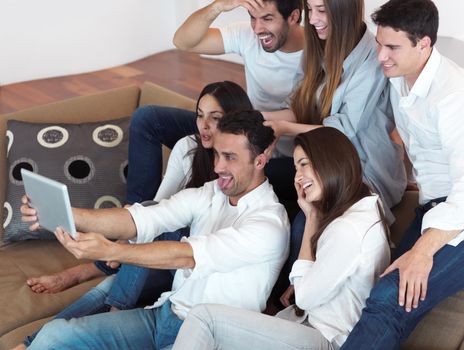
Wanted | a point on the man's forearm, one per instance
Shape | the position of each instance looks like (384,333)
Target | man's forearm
(284,114)
(114,223)
(433,240)
(156,255)
(306,252)
(196,26)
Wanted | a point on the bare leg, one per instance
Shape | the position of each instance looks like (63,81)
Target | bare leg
(65,279)
(19,347)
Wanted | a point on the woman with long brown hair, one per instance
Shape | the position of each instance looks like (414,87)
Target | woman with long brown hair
(343,251)
(343,87)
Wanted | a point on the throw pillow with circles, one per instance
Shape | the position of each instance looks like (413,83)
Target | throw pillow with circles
(90,158)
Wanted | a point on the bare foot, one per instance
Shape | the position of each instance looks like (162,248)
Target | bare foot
(19,347)
(65,279)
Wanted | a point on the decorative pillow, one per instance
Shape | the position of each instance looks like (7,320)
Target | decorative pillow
(90,158)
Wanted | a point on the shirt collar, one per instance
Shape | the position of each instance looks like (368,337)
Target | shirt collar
(252,197)
(424,81)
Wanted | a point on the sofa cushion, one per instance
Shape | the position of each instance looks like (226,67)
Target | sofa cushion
(107,105)
(442,328)
(18,262)
(90,158)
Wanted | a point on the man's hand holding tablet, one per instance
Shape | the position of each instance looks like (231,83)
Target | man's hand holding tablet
(46,204)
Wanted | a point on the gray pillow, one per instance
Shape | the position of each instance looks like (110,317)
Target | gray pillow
(90,158)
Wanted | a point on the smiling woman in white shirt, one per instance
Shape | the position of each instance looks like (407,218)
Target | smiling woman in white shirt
(344,250)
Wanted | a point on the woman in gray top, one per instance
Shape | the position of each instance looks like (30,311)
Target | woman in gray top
(343,87)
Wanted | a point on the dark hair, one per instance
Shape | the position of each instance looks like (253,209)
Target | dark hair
(418,18)
(338,167)
(250,124)
(286,7)
(231,97)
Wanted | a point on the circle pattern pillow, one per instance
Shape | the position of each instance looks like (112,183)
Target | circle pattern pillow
(90,158)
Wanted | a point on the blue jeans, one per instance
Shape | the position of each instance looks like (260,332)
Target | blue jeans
(150,128)
(384,324)
(130,329)
(132,285)
(139,285)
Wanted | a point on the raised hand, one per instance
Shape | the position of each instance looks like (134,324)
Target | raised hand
(308,208)
(288,297)
(250,5)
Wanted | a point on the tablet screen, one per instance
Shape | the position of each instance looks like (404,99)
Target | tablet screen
(51,200)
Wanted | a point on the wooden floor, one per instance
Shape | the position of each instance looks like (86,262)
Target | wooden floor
(185,73)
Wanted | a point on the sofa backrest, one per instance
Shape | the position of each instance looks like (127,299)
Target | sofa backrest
(107,105)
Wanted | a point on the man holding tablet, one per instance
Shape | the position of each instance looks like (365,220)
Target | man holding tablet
(238,243)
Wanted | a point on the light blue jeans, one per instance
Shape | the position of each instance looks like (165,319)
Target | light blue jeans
(131,286)
(213,326)
(130,329)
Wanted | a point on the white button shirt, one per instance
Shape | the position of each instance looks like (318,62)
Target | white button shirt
(351,254)
(237,257)
(430,121)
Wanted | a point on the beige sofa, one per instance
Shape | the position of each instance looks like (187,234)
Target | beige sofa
(23,311)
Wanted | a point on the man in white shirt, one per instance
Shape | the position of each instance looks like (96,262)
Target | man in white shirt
(427,96)
(271,48)
(237,245)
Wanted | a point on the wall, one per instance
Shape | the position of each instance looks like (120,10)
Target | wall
(46,38)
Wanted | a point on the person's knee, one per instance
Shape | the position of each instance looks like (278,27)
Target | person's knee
(142,118)
(384,295)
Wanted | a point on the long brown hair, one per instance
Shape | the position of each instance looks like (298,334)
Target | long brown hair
(231,97)
(337,164)
(323,59)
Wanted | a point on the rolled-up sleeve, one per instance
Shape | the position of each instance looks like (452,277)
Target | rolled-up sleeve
(166,216)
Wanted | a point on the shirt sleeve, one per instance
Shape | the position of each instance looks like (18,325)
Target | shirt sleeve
(317,282)
(235,36)
(449,215)
(168,215)
(261,237)
(178,169)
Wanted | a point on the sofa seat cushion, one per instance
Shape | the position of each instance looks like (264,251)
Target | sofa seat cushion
(21,260)
(16,336)
(442,328)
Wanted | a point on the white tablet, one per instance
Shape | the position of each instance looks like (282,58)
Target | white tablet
(51,200)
